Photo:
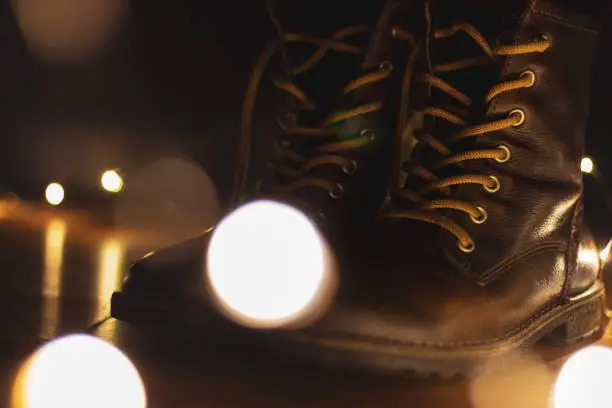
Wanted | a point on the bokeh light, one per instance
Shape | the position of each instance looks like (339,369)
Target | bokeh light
(54,194)
(78,371)
(68,31)
(171,199)
(587,165)
(111,181)
(584,379)
(268,266)
(517,379)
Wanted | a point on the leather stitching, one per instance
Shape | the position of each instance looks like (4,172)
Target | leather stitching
(504,265)
(560,20)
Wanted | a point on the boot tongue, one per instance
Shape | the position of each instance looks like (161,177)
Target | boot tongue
(324,82)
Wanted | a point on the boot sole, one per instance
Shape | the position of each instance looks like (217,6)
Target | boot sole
(578,319)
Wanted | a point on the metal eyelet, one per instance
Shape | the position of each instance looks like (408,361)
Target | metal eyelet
(386,66)
(545,37)
(394,32)
(495,187)
(336,192)
(467,248)
(507,154)
(521,115)
(481,218)
(532,77)
(350,168)
(368,133)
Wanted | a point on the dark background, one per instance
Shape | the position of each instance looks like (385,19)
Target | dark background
(170,84)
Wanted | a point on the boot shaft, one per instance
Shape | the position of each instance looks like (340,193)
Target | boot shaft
(538,203)
(498,163)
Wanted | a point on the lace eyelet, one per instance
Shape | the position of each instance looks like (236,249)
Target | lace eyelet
(532,77)
(466,248)
(481,218)
(394,32)
(545,37)
(368,133)
(520,113)
(507,154)
(496,185)
(350,168)
(336,192)
(386,66)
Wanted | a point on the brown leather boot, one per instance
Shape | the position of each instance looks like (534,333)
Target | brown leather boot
(332,155)
(484,251)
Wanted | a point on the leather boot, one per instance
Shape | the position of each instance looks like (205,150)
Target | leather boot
(484,250)
(333,152)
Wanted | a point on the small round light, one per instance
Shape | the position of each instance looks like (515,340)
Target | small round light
(77,371)
(111,181)
(54,194)
(587,165)
(268,266)
(584,379)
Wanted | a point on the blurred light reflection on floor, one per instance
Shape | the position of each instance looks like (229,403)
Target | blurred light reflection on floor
(75,264)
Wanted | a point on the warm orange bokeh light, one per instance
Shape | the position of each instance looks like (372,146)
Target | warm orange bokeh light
(78,371)
(268,266)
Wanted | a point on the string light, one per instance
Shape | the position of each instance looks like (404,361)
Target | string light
(111,181)
(268,266)
(54,194)
(77,371)
(587,165)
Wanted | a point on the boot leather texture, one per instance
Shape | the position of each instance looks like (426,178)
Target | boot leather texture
(405,283)
(531,254)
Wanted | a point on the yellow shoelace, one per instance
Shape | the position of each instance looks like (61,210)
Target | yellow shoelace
(426,210)
(326,152)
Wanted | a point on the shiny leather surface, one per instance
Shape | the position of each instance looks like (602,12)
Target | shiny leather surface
(171,273)
(532,252)
(541,184)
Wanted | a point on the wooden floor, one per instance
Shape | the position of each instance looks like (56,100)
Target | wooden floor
(58,271)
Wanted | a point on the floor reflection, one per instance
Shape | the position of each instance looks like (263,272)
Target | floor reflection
(109,280)
(55,234)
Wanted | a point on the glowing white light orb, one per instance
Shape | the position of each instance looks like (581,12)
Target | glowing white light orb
(584,379)
(54,193)
(268,266)
(79,371)
(111,181)
(586,165)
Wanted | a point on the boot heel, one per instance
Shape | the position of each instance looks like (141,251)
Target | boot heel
(579,324)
